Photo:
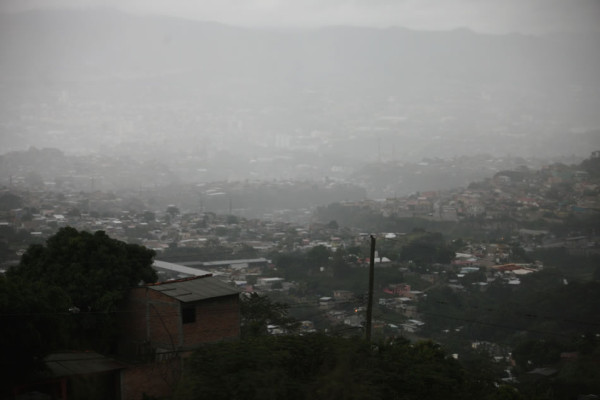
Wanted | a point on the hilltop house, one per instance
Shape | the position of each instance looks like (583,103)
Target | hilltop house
(162,323)
(176,316)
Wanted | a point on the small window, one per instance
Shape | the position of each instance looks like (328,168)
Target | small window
(188,314)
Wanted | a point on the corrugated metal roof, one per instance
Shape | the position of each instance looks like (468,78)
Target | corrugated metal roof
(180,268)
(221,263)
(194,289)
(66,364)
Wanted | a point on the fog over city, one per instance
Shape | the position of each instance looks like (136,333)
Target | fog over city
(342,91)
(300,199)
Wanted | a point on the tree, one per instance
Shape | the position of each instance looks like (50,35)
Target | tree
(326,367)
(232,219)
(9,201)
(34,319)
(318,257)
(339,265)
(533,353)
(173,210)
(333,225)
(427,248)
(259,311)
(293,264)
(93,271)
(149,216)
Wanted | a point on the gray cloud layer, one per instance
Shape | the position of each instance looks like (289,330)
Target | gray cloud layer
(523,16)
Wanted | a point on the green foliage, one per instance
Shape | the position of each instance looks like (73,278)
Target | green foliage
(340,266)
(34,319)
(323,367)
(318,257)
(9,201)
(576,374)
(533,353)
(473,277)
(259,311)
(582,373)
(93,269)
(426,248)
(538,320)
(63,293)
(536,308)
(292,264)
(592,166)
(581,266)
(148,216)
(369,220)
(333,224)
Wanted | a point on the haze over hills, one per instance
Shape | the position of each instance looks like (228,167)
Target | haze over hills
(204,97)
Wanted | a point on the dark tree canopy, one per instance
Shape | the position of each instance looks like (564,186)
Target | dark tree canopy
(318,257)
(9,201)
(326,367)
(259,311)
(33,321)
(93,269)
(63,295)
(427,248)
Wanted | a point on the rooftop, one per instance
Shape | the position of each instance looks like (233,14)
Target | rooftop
(222,263)
(195,288)
(180,268)
(80,363)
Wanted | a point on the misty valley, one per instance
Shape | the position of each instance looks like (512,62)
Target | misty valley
(193,210)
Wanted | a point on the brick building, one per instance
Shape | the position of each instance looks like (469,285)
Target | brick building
(164,322)
(177,316)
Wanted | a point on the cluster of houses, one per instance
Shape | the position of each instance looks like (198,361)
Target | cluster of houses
(553,192)
(511,199)
(198,302)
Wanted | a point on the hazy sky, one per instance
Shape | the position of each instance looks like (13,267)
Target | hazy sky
(492,16)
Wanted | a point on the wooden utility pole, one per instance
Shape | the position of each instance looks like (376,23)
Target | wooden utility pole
(370,301)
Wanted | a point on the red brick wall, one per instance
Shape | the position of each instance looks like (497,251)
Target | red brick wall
(163,322)
(149,317)
(154,318)
(216,319)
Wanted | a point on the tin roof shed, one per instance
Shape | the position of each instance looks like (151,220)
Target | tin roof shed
(195,289)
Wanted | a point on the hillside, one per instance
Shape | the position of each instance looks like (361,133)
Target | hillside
(102,79)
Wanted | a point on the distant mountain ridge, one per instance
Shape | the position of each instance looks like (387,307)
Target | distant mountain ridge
(104,80)
(72,44)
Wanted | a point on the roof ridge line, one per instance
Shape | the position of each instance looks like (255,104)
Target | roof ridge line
(190,278)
